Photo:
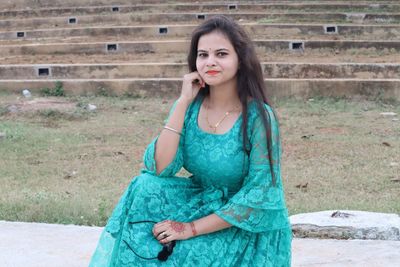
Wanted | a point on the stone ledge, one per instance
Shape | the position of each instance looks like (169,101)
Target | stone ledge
(299,88)
(272,70)
(346,224)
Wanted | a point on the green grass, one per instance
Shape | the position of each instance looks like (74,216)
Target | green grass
(59,169)
(58,90)
(344,161)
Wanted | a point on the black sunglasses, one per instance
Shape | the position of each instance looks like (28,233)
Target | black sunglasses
(163,254)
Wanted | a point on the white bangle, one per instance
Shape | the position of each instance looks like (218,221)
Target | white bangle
(172,129)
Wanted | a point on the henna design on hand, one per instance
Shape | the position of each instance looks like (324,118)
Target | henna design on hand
(178,227)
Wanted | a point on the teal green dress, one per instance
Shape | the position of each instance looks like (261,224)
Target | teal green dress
(225,181)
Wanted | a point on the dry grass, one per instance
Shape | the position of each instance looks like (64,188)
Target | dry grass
(63,168)
(343,155)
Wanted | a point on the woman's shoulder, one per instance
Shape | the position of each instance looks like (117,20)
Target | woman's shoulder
(253,109)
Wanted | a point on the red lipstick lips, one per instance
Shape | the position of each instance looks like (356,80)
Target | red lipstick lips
(212,72)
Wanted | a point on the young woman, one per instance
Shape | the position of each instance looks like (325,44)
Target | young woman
(231,211)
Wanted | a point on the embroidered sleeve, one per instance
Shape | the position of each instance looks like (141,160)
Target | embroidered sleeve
(175,165)
(259,205)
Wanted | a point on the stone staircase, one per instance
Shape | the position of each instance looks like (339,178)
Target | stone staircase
(307,48)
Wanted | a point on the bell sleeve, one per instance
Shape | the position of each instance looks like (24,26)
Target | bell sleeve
(149,154)
(259,205)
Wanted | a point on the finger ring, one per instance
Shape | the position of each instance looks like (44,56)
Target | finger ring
(165,235)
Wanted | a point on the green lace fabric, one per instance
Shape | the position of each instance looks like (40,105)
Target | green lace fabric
(225,181)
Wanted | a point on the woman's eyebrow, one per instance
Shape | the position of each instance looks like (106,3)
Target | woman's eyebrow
(218,50)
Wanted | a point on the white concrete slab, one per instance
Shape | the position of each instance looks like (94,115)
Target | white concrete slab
(41,245)
(48,245)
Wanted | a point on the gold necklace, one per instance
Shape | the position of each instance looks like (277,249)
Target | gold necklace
(214,127)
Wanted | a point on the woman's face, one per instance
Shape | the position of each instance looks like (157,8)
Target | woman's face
(217,61)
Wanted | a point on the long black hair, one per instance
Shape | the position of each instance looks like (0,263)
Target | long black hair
(250,80)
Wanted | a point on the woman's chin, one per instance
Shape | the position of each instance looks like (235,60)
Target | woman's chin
(211,82)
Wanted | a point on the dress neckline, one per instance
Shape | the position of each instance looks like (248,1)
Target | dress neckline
(209,133)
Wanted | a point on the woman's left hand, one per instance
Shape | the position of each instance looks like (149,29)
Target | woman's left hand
(168,230)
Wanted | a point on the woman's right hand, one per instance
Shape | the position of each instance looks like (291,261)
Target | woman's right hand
(192,82)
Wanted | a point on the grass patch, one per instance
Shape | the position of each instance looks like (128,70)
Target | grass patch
(77,171)
(58,90)
(57,115)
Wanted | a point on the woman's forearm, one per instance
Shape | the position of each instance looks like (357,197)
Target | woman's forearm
(210,224)
(168,141)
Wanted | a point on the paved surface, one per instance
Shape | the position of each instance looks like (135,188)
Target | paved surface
(49,245)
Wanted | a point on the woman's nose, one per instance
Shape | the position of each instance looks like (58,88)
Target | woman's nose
(210,61)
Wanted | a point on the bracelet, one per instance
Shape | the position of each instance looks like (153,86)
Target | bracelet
(194,232)
(172,129)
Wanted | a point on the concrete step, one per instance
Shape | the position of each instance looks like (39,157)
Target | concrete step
(177,46)
(195,7)
(300,88)
(28,4)
(362,55)
(196,17)
(171,70)
(300,31)
(47,243)
(23,4)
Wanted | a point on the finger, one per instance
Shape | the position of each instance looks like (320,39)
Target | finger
(167,239)
(200,78)
(158,225)
(199,84)
(196,78)
(201,81)
(163,231)
(159,229)
(162,236)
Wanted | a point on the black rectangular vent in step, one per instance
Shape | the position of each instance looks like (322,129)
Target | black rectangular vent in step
(201,16)
(232,7)
(112,47)
(298,46)
(163,30)
(43,71)
(20,34)
(115,9)
(72,20)
(331,29)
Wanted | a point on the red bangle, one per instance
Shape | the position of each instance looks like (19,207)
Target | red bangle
(193,229)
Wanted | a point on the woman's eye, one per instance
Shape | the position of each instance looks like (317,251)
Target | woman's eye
(221,54)
(202,55)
